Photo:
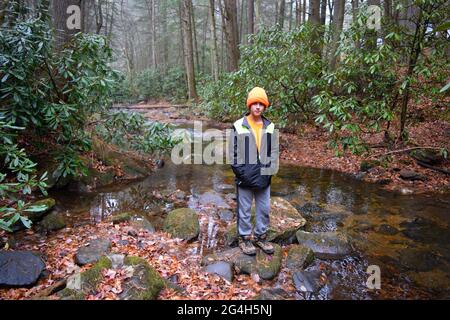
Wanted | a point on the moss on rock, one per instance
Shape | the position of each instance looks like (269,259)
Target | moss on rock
(52,222)
(182,223)
(144,284)
(121,217)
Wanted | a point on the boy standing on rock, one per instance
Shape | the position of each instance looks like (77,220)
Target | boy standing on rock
(254,156)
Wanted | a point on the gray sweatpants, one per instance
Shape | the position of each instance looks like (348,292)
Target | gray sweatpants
(244,206)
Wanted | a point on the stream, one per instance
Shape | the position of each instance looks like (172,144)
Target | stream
(406,236)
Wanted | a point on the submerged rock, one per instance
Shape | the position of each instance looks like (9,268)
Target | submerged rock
(144,282)
(272,294)
(93,251)
(420,260)
(387,229)
(221,268)
(182,223)
(299,257)
(213,198)
(20,268)
(226,215)
(285,220)
(266,266)
(425,231)
(325,245)
(308,281)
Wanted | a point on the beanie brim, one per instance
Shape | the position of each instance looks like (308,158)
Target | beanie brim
(256,99)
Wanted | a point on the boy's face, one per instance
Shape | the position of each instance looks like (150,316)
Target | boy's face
(257,109)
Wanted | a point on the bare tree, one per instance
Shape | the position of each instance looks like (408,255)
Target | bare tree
(185,12)
(338,22)
(282,14)
(250,16)
(214,50)
(230,18)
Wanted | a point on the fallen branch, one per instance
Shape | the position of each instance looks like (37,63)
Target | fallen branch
(423,164)
(57,286)
(403,150)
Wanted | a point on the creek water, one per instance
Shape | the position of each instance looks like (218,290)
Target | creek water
(407,236)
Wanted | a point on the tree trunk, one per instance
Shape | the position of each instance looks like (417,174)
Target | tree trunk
(165,54)
(355,9)
(250,17)
(258,18)
(416,47)
(214,50)
(372,34)
(291,13)
(282,14)
(338,22)
(188,47)
(230,15)
(194,34)
(323,11)
(314,19)
(66,22)
(304,11)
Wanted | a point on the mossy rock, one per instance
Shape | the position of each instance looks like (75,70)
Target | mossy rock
(119,218)
(299,257)
(96,178)
(71,294)
(285,220)
(144,284)
(52,222)
(131,163)
(366,165)
(81,284)
(182,223)
(48,203)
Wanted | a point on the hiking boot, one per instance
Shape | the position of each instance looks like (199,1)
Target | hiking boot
(266,246)
(246,245)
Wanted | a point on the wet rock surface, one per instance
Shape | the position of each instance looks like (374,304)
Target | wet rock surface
(325,245)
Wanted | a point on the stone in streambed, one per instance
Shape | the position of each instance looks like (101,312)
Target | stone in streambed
(308,281)
(53,221)
(266,266)
(285,220)
(299,257)
(20,268)
(325,245)
(81,284)
(119,218)
(182,223)
(145,282)
(221,268)
(93,251)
